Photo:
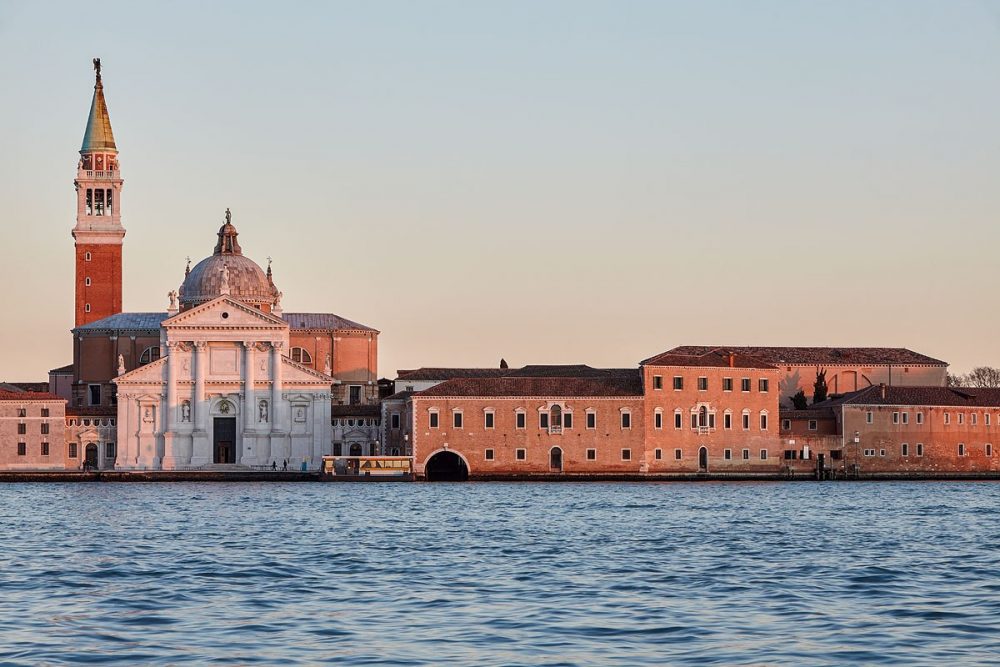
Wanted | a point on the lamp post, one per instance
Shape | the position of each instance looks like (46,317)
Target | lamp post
(857,447)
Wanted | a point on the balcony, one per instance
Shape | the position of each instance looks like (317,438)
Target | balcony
(555,430)
(97,174)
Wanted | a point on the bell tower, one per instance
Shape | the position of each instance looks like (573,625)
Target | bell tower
(98,231)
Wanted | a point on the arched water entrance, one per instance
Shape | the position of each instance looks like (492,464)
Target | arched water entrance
(90,457)
(703,459)
(446,467)
(556,459)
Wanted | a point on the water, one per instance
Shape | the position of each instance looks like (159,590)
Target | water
(500,574)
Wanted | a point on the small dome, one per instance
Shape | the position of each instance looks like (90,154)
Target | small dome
(228,272)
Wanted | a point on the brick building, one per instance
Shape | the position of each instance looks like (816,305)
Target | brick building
(32,432)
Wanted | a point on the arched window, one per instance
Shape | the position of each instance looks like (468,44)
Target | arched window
(555,417)
(149,355)
(300,355)
(703,416)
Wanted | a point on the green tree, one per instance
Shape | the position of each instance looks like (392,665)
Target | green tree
(819,386)
(799,400)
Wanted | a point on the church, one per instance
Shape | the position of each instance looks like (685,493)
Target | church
(223,377)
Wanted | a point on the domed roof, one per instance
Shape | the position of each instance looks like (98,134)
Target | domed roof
(228,272)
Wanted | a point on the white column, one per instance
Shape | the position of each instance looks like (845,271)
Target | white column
(169,417)
(199,406)
(249,386)
(277,369)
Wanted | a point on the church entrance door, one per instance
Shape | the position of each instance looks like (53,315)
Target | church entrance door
(224,440)
(90,457)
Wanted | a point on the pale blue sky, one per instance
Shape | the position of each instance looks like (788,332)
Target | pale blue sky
(546,181)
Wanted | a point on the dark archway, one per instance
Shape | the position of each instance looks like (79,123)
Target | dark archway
(703,459)
(355,449)
(90,457)
(446,467)
(555,459)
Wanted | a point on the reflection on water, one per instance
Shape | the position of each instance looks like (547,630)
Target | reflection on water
(500,574)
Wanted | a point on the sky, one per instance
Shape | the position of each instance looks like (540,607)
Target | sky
(548,182)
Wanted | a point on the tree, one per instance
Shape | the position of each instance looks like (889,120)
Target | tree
(799,401)
(983,376)
(953,380)
(819,387)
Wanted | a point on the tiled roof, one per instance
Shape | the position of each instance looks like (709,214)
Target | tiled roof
(91,411)
(449,373)
(29,386)
(929,396)
(62,370)
(322,321)
(808,413)
(29,396)
(399,396)
(126,322)
(612,385)
(706,357)
(834,356)
(532,370)
(355,411)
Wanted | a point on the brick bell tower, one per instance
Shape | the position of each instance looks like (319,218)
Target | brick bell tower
(98,231)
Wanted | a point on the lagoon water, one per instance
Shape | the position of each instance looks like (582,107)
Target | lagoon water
(500,574)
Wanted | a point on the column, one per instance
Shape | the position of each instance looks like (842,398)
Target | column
(277,412)
(248,443)
(199,406)
(169,416)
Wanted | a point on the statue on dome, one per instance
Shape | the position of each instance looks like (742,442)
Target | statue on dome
(229,217)
(224,289)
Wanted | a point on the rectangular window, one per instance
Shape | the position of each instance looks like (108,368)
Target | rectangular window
(22,412)
(711,420)
(727,454)
(746,421)
(920,449)
(986,418)
(355,397)
(920,417)
(961,449)
(22,449)
(895,417)
(543,420)
(974,419)
(727,384)
(489,454)
(72,450)
(694,421)
(786,424)
(763,422)
(520,420)
(658,420)
(488,419)
(763,384)
(961,417)
(869,417)
(746,454)
(567,420)
(658,454)
(338,449)
(45,413)
(702,383)
(456,419)
(521,454)
(905,416)
(395,421)
(745,384)
(95,394)
(905,449)
(763,455)
(22,429)
(591,454)
(678,382)
(626,455)
(678,421)
(109,450)
(989,449)
(813,425)
(677,454)
(45,429)
(433,419)
(727,421)
(626,420)
(591,420)
(45,449)
(947,418)
(657,382)
(790,454)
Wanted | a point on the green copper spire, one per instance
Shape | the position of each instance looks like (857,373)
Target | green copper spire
(98,136)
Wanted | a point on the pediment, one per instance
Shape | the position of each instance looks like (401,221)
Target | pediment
(293,372)
(225,313)
(151,372)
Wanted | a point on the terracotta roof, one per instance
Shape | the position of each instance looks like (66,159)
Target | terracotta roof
(808,413)
(355,411)
(399,396)
(610,385)
(91,411)
(127,322)
(62,370)
(531,370)
(706,357)
(834,356)
(929,396)
(449,373)
(29,396)
(322,321)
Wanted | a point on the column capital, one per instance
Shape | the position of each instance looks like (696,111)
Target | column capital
(277,345)
(199,344)
(249,344)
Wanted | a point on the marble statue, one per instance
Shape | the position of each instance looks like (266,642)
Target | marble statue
(121,364)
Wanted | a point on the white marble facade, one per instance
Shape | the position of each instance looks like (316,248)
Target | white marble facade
(223,393)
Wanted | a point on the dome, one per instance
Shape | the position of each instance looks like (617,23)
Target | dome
(227,271)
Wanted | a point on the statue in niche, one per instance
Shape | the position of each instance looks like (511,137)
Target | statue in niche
(147,415)
(327,370)
(262,412)
(263,366)
(186,411)
(121,364)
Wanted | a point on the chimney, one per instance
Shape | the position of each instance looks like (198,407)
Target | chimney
(732,360)
(882,390)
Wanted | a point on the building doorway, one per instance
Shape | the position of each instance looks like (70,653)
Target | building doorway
(90,457)
(703,459)
(555,459)
(446,467)
(224,440)
(355,449)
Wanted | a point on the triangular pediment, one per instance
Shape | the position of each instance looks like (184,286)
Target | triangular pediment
(295,372)
(225,313)
(151,372)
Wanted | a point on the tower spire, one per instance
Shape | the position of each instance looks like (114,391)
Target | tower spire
(98,135)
